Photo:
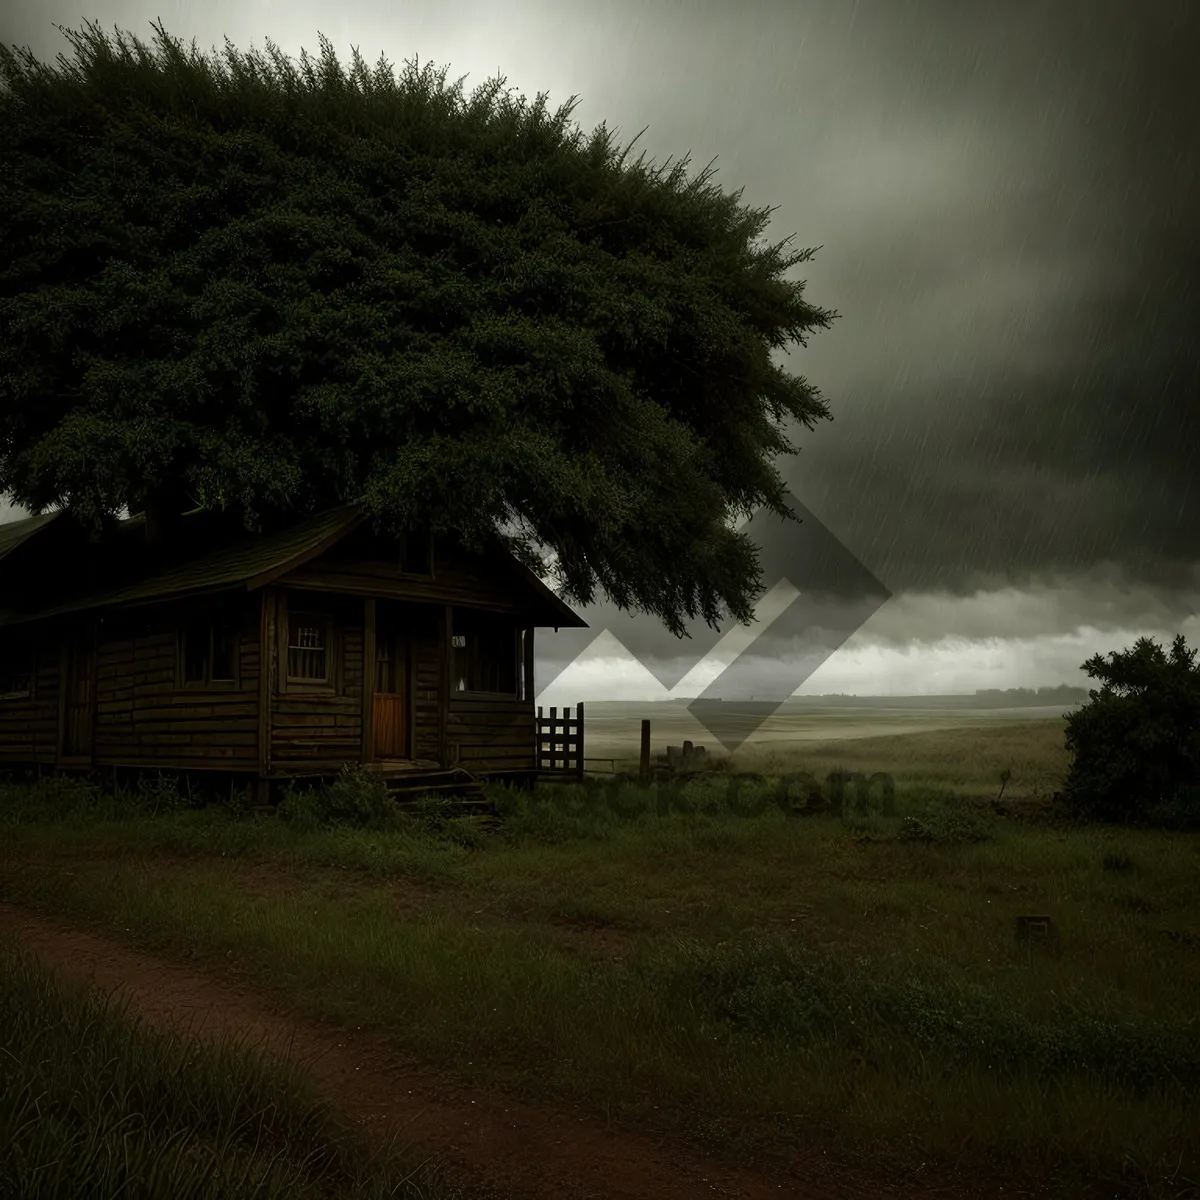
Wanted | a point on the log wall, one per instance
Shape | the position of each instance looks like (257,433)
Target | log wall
(316,730)
(145,717)
(29,724)
(493,733)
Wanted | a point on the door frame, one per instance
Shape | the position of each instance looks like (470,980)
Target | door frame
(371,634)
(79,644)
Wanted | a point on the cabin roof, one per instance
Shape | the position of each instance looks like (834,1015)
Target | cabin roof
(253,560)
(17,533)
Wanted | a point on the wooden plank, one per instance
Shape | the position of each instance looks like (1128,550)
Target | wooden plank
(482,594)
(410,684)
(446,663)
(168,708)
(315,702)
(368,687)
(280,686)
(266,645)
(202,731)
(62,698)
(311,722)
(171,759)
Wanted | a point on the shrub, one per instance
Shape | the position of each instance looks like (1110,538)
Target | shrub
(302,810)
(955,825)
(1136,743)
(159,794)
(357,799)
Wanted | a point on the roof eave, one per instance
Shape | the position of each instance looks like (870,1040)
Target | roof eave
(265,578)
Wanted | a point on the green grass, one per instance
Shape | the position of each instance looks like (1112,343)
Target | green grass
(852,978)
(92,1103)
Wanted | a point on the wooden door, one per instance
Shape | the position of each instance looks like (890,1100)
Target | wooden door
(79,700)
(390,714)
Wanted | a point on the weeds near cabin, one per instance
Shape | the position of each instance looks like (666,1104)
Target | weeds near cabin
(92,1103)
(356,799)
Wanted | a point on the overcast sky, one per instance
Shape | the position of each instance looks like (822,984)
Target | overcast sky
(1005,197)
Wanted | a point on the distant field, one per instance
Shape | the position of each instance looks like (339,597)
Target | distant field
(965,748)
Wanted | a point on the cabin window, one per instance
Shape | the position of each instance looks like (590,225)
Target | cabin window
(210,651)
(308,648)
(16,667)
(484,655)
(224,652)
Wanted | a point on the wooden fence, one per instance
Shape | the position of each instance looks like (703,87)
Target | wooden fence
(560,742)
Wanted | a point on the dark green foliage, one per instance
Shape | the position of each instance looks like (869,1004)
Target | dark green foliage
(957,823)
(61,797)
(1136,744)
(356,799)
(289,287)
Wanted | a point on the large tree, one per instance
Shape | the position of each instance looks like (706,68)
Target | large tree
(236,281)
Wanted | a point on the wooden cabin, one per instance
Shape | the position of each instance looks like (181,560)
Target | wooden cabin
(269,656)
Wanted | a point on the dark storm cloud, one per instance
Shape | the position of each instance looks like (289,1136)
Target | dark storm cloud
(1028,394)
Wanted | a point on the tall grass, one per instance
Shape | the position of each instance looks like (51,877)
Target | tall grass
(92,1103)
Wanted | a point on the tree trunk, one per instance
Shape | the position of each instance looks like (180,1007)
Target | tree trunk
(164,507)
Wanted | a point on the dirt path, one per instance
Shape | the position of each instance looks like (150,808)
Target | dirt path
(510,1147)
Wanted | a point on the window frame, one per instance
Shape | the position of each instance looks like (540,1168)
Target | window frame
(311,620)
(210,623)
(285,682)
(29,692)
(517,663)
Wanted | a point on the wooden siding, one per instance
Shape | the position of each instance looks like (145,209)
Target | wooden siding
(317,731)
(145,719)
(492,733)
(29,724)
(427,668)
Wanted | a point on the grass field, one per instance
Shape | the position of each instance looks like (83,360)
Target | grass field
(93,1103)
(847,979)
(965,749)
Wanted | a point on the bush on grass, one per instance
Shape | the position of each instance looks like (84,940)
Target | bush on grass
(953,822)
(1136,743)
(359,799)
(356,799)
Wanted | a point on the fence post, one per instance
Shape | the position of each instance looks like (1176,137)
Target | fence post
(579,738)
(644,761)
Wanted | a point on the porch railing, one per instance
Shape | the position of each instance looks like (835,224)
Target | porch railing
(560,742)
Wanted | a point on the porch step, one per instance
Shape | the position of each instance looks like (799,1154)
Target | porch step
(455,783)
